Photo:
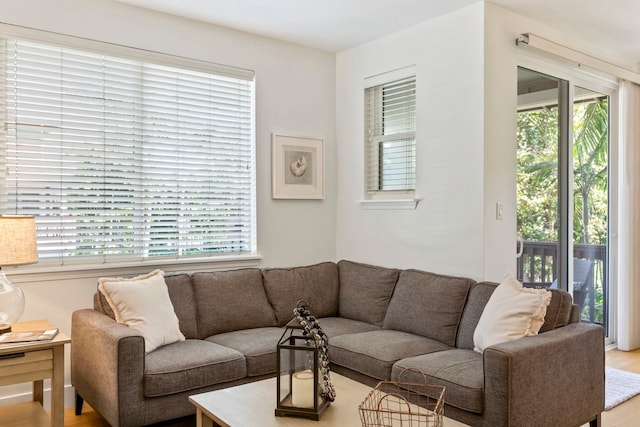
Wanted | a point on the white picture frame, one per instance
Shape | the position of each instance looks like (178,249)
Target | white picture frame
(297,167)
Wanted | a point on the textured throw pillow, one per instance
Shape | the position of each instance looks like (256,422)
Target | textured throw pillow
(143,303)
(512,312)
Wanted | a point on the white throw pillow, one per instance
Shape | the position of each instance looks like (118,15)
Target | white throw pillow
(512,312)
(143,303)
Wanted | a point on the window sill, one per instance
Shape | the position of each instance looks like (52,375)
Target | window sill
(397,204)
(52,272)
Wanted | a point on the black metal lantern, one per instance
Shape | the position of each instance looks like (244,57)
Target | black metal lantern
(298,380)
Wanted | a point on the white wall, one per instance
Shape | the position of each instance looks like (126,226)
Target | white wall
(294,94)
(445,233)
(500,106)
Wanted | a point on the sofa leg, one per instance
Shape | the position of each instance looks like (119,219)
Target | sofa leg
(596,422)
(79,402)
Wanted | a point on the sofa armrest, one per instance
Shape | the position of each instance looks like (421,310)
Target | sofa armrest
(107,367)
(552,379)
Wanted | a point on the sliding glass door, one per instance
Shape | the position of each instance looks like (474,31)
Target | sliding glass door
(537,178)
(563,192)
(590,202)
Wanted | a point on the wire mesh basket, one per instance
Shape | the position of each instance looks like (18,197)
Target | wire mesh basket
(403,404)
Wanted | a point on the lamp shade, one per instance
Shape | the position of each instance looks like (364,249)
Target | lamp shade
(17,240)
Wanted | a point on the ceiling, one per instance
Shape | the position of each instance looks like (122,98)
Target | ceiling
(336,25)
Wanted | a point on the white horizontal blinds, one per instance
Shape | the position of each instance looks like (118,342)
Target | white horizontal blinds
(391,124)
(198,172)
(121,158)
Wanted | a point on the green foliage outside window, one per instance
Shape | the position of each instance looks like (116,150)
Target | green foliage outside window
(537,180)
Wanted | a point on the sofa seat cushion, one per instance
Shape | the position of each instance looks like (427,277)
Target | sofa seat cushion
(316,284)
(374,353)
(428,304)
(335,326)
(258,345)
(190,364)
(460,371)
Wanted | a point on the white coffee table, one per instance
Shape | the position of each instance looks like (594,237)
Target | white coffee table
(254,404)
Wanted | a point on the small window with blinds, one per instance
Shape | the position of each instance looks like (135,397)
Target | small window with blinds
(390,120)
(122,158)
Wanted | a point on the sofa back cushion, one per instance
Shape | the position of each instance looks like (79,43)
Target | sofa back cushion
(558,312)
(230,300)
(365,291)
(478,297)
(100,304)
(316,284)
(428,304)
(182,298)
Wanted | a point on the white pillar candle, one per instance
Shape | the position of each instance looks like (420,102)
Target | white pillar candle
(302,389)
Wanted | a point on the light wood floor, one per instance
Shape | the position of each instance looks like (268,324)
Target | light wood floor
(626,360)
(90,418)
(629,361)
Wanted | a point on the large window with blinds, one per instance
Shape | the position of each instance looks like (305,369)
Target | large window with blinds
(390,138)
(120,157)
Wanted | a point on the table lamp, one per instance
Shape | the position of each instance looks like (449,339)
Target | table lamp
(17,246)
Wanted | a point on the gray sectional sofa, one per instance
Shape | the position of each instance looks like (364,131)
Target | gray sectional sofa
(378,320)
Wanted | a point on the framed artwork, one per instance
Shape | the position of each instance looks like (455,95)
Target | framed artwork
(297,167)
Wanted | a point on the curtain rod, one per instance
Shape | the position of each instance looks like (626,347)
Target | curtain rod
(540,43)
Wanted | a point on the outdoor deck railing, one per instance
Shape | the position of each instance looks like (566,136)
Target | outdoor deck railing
(537,266)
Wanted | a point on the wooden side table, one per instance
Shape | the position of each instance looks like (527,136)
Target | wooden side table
(34,362)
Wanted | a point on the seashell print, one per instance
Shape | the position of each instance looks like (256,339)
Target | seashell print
(298,166)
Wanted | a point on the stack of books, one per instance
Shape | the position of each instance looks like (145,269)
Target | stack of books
(28,336)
